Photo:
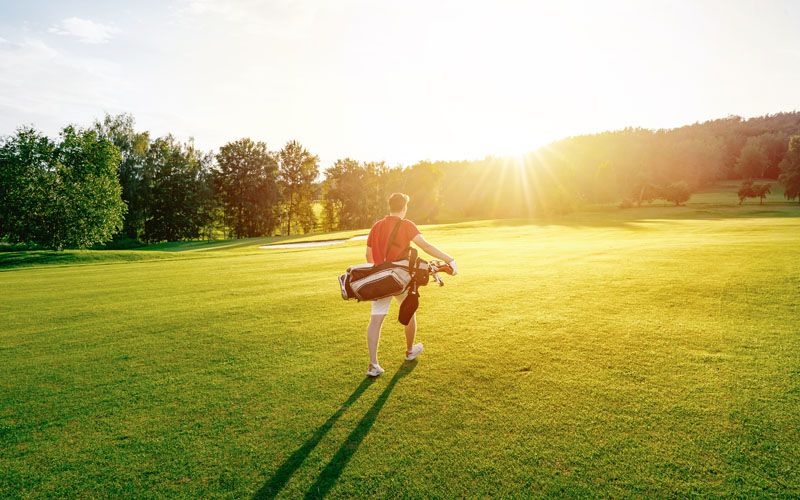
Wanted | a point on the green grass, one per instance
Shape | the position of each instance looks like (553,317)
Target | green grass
(651,351)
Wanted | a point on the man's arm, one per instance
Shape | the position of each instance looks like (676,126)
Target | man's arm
(420,241)
(370,259)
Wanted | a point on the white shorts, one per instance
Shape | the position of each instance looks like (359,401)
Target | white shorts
(380,307)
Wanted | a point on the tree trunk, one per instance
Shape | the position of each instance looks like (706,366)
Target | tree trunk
(289,218)
(239,222)
(289,213)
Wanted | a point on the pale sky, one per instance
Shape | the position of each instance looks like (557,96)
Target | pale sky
(399,81)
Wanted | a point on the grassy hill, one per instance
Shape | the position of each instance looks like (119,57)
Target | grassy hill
(650,351)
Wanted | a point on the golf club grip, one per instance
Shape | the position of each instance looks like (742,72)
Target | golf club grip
(444,268)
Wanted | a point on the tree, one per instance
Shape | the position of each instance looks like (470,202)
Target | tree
(790,170)
(750,190)
(774,145)
(63,194)
(26,165)
(354,193)
(422,182)
(677,192)
(297,172)
(208,203)
(176,183)
(761,191)
(133,146)
(377,180)
(247,184)
(343,194)
(746,191)
(88,206)
(643,190)
(752,160)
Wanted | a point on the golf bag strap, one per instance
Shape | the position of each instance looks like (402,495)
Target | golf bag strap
(412,268)
(412,262)
(391,240)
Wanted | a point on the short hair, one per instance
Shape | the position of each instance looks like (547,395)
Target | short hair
(398,202)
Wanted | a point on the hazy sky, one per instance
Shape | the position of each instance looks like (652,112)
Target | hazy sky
(398,81)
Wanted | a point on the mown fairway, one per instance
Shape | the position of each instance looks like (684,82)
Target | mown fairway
(649,351)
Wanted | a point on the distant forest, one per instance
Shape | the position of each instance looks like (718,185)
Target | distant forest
(110,181)
(629,166)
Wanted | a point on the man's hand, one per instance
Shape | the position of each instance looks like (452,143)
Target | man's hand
(453,266)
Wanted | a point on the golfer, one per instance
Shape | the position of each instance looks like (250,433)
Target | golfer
(377,241)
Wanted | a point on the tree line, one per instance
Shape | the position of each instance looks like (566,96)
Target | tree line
(110,180)
(629,167)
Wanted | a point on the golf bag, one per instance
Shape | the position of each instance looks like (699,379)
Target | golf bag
(372,282)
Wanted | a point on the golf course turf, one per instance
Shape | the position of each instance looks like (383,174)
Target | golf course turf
(650,351)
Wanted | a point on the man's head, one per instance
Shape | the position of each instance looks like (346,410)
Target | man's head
(398,204)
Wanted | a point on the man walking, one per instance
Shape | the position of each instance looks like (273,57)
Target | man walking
(405,232)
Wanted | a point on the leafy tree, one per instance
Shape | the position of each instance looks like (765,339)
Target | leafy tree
(59,195)
(298,169)
(761,191)
(88,207)
(774,145)
(330,216)
(422,183)
(247,184)
(176,183)
(750,190)
(752,160)
(643,190)
(677,192)
(790,170)
(377,181)
(208,202)
(343,192)
(746,191)
(26,164)
(355,193)
(133,147)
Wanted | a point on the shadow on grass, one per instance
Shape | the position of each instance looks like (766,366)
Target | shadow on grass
(32,258)
(327,478)
(333,470)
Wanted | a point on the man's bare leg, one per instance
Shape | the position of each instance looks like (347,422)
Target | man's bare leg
(411,332)
(373,336)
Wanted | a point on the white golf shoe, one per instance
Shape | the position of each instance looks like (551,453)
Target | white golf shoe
(375,371)
(416,350)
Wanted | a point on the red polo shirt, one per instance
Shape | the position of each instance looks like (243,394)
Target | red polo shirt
(379,237)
